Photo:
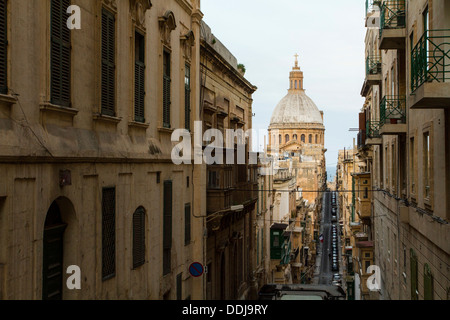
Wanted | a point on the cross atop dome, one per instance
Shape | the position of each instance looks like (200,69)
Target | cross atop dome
(296,60)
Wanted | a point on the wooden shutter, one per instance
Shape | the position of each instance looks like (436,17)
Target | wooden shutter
(108,90)
(139,79)
(167,227)
(108,233)
(138,238)
(3,48)
(60,55)
(166,91)
(428,283)
(414,275)
(187,98)
(187,224)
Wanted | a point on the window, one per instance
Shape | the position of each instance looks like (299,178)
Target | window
(412,171)
(3,48)
(108,64)
(213,179)
(180,286)
(166,89)
(139,78)
(279,138)
(414,276)
(138,238)
(60,55)
(394,169)
(310,138)
(108,233)
(317,139)
(428,283)
(167,227)
(286,138)
(303,138)
(426,163)
(187,97)
(187,224)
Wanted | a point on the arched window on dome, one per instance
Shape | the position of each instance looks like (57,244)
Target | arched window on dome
(279,139)
(303,138)
(295,84)
(295,137)
(317,139)
(286,138)
(310,138)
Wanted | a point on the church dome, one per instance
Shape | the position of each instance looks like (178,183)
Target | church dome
(296,107)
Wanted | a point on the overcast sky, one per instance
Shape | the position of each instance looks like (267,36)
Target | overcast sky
(329,38)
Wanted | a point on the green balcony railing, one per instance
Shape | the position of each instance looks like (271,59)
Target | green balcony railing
(392,110)
(430,58)
(393,15)
(373,129)
(373,65)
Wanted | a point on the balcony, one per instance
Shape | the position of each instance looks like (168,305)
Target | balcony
(363,208)
(430,71)
(392,25)
(373,133)
(373,74)
(393,115)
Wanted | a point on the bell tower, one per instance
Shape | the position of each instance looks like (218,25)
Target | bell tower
(296,77)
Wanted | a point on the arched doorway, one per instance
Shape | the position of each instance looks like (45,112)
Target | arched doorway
(53,244)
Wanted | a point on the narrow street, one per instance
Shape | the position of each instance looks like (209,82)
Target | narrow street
(326,274)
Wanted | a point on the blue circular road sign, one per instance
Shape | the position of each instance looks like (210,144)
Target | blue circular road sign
(196,269)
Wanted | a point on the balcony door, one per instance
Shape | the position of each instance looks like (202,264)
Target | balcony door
(52,268)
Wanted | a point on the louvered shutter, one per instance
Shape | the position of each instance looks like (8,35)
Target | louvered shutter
(166,91)
(108,233)
(187,224)
(3,48)
(139,78)
(187,98)
(138,238)
(167,227)
(60,55)
(108,90)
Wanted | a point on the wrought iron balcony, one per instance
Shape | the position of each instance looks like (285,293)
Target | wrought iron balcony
(430,70)
(373,65)
(393,115)
(392,110)
(392,24)
(373,129)
(373,74)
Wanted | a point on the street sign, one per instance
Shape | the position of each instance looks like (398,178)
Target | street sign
(196,269)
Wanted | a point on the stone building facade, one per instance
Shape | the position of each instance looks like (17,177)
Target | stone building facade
(404,141)
(86,118)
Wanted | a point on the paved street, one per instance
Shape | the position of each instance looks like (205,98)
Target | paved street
(324,275)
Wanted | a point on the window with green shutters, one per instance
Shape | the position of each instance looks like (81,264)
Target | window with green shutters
(414,276)
(108,88)
(428,283)
(187,97)
(167,227)
(139,78)
(60,54)
(3,48)
(138,238)
(166,89)
(108,233)
(187,224)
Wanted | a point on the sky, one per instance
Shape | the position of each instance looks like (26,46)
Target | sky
(329,37)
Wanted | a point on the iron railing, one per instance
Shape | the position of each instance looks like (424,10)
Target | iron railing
(392,108)
(430,58)
(373,65)
(373,129)
(393,15)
